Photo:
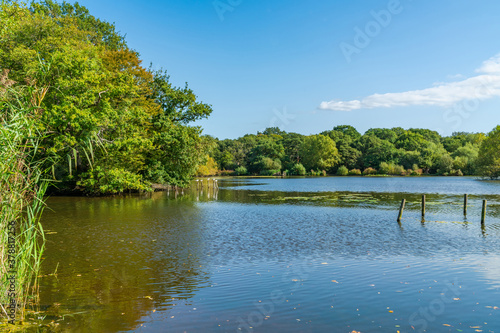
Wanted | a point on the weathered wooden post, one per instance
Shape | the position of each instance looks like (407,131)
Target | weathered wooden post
(401,209)
(483,213)
(423,206)
(466,198)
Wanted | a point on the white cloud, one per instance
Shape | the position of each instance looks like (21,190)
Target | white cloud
(485,85)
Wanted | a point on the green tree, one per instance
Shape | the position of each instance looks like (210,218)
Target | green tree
(291,143)
(376,151)
(106,114)
(489,155)
(267,150)
(383,133)
(319,152)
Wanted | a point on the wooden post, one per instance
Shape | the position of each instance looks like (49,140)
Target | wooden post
(401,209)
(423,205)
(483,214)
(466,197)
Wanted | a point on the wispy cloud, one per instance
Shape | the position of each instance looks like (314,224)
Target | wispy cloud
(485,85)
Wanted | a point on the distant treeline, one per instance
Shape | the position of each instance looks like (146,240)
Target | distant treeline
(345,151)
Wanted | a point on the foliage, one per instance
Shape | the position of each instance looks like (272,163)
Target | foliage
(265,155)
(319,152)
(112,181)
(207,169)
(342,171)
(298,170)
(266,164)
(489,155)
(22,190)
(241,171)
(394,151)
(369,171)
(355,172)
(102,107)
(391,169)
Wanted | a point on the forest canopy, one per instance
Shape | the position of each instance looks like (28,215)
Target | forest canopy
(343,150)
(110,123)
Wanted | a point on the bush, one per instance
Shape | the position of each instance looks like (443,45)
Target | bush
(398,170)
(391,169)
(298,170)
(323,173)
(112,181)
(265,165)
(241,171)
(369,171)
(384,168)
(270,172)
(208,169)
(355,172)
(342,171)
(456,172)
(227,173)
(417,172)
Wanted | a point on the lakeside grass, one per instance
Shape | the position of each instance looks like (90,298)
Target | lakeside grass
(22,190)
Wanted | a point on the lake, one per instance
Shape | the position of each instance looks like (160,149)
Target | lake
(277,255)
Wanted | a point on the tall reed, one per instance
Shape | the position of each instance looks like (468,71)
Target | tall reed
(22,190)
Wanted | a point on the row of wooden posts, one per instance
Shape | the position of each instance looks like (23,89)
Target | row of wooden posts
(466,199)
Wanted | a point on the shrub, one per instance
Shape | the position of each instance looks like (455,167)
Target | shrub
(323,173)
(240,171)
(384,169)
(342,171)
(456,172)
(398,170)
(298,170)
(355,172)
(369,171)
(227,173)
(208,169)
(391,169)
(112,181)
(270,172)
(417,172)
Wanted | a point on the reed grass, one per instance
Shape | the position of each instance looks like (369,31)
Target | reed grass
(22,190)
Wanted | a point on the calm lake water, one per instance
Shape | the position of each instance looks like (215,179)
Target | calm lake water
(277,255)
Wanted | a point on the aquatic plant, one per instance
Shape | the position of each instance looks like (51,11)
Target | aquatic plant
(22,190)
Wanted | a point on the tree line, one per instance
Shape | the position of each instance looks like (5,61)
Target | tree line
(345,151)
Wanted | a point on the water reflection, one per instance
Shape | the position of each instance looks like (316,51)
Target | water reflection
(117,259)
(197,259)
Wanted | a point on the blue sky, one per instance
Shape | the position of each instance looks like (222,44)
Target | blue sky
(309,66)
